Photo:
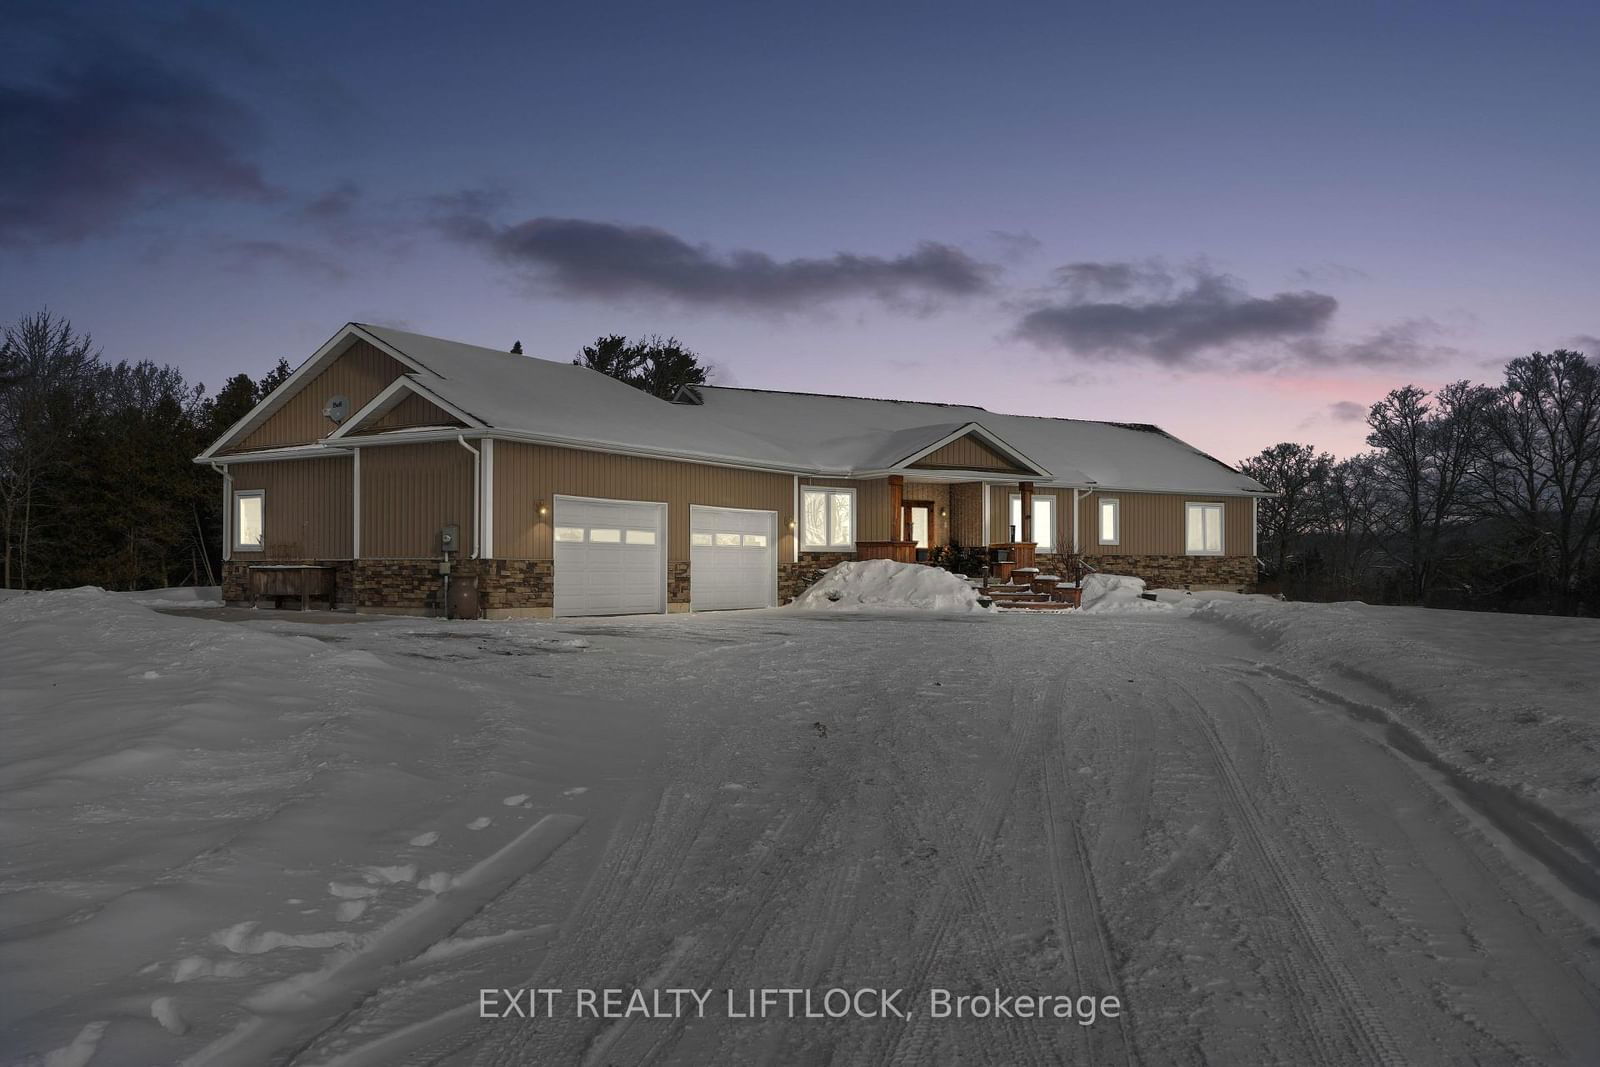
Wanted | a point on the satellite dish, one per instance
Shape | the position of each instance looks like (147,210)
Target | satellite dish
(337,407)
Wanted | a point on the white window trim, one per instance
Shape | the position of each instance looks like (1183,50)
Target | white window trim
(233,517)
(1050,498)
(1116,520)
(843,546)
(1222,527)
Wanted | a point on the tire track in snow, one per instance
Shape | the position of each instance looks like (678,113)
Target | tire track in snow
(1368,1034)
(291,1014)
(962,887)
(1077,902)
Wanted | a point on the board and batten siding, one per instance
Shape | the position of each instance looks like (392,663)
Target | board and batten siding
(1153,523)
(966,514)
(526,475)
(360,373)
(409,493)
(966,454)
(307,509)
(415,410)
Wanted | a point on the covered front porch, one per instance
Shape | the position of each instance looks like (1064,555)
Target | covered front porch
(929,520)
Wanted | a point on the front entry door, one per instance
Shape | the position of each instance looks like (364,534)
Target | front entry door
(918,522)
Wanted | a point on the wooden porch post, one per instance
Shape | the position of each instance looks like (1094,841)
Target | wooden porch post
(897,496)
(1027,510)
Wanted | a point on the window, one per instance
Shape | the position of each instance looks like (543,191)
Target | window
(641,537)
(701,539)
(1044,520)
(599,535)
(249,520)
(828,519)
(1203,523)
(755,540)
(569,533)
(728,540)
(1110,521)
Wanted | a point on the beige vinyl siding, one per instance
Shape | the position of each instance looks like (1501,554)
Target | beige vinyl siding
(1152,524)
(409,493)
(414,410)
(360,373)
(527,474)
(966,454)
(966,514)
(306,514)
(872,504)
(1000,513)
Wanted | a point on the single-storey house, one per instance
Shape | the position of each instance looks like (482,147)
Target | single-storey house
(398,463)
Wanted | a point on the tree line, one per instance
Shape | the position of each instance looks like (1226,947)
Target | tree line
(97,483)
(1471,496)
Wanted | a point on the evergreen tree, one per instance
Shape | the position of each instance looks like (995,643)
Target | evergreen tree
(658,367)
(272,379)
(516,347)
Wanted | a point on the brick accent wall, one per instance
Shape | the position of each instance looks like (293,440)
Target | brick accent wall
(236,579)
(1175,572)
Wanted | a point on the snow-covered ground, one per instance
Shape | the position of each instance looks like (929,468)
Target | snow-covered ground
(1277,832)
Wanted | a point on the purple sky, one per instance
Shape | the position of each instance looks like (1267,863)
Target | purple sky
(1242,222)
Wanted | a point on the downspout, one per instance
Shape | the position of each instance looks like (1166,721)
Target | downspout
(477,491)
(1076,551)
(227,511)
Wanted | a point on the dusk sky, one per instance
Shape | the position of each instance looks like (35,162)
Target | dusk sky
(1242,222)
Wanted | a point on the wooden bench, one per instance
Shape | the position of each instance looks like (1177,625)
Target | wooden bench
(304,581)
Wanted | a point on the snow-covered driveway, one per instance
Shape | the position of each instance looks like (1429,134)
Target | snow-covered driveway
(1249,854)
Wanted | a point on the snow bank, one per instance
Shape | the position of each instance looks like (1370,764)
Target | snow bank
(1109,594)
(184,596)
(1503,699)
(228,806)
(884,585)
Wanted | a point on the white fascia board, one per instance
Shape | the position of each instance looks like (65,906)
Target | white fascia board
(269,455)
(291,385)
(1187,489)
(918,474)
(979,430)
(705,459)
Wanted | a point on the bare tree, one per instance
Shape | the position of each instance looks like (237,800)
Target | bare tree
(1348,519)
(1425,452)
(1540,463)
(1294,473)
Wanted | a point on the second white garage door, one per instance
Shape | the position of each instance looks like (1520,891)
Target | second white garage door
(609,556)
(733,558)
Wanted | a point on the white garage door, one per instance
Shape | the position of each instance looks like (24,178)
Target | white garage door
(609,556)
(733,558)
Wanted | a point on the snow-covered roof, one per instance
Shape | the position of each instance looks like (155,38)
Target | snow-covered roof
(563,402)
(840,431)
(807,433)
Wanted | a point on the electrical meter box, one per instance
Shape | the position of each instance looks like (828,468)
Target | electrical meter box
(450,538)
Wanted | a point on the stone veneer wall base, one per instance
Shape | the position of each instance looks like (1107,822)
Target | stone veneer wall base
(522,588)
(1179,572)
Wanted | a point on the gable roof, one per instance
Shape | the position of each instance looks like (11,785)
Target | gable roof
(835,430)
(528,398)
